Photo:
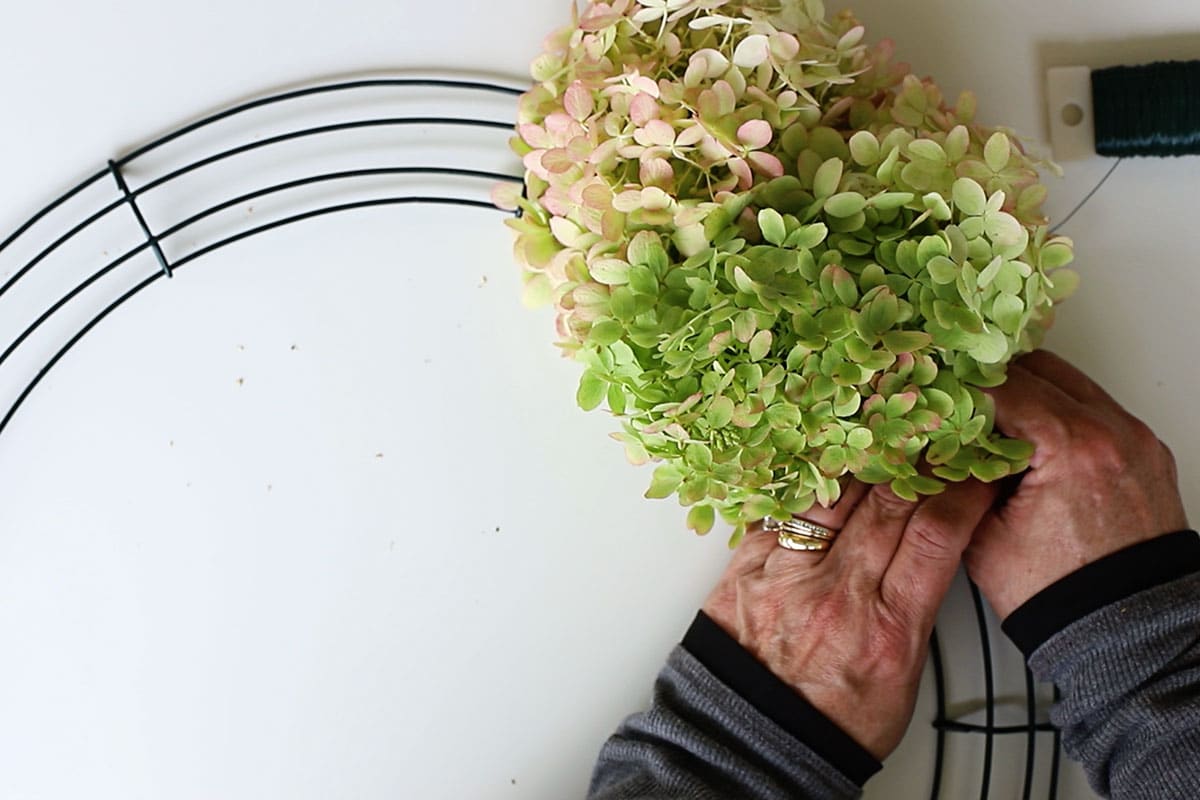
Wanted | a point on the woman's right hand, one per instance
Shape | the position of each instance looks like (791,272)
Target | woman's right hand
(1099,481)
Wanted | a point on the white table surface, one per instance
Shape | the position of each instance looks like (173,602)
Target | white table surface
(393,560)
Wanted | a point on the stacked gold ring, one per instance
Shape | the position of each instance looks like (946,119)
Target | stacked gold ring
(800,534)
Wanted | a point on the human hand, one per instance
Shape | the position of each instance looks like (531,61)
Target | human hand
(849,628)
(1099,481)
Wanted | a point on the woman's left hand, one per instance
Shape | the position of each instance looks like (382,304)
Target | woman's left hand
(848,628)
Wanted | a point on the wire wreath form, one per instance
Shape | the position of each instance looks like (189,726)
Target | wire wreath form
(470,188)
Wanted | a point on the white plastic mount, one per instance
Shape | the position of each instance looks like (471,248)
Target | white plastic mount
(1072,124)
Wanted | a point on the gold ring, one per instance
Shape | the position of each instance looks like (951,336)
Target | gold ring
(800,534)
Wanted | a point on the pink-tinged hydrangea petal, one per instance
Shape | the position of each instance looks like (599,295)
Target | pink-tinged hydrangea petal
(557,161)
(671,45)
(556,201)
(563,128)
(535,136)
(751,51)
(784,46)
(690,136)
(506,196)
(597,196)
(566,232)
(612,225)
(715,62)
(606,152)
(745,178)
(696,72)
(627,201)
(713,150)
(644,84)
(579,101)
(655,199)
(656,133)
(726,98)
(598,17)
(642,109)
(533,163)
(766,163)
(755,134)
(656,172)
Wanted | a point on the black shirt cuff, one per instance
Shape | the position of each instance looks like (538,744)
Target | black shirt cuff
(734,666)
(1090,588)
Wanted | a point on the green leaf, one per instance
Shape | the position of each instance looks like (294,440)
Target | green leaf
(698,456)
(860,438)
(609,271)
(864,148)
(605,331)
(701,518)
(927,486)
(927,150)
(591,391)
(1013,449)
(1055,255)
(770,222)
(810,236)
(889,201)
(759,506)
(783,416)
(616,399)
(1007,310)
(1065,282)
(992,470)
(720,412)
(623,303)
(906,341)
(538,291)
(744,326)
(997,152)
(989,347)
(846,204)
(942,270)
(969,197)
(942,450)
(643,281)
(666,479)
(828,178)
(760,345)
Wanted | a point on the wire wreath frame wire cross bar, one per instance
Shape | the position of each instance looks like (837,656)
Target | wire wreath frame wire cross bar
(469,190)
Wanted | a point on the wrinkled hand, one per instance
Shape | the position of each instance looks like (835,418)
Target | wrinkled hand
(1099,481)
(849,628)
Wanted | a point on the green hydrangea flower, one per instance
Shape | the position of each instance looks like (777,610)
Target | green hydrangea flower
(780,258)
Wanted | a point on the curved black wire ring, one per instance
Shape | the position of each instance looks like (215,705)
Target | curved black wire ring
(941,723)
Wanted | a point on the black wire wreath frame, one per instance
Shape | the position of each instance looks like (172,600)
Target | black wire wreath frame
(128,198)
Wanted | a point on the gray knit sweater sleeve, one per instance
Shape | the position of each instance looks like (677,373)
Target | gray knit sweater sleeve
(1130,679)
(702,741)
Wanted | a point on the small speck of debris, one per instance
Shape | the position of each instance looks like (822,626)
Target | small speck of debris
(250,209)
(497,529)
(268,487)
(241,381)
(189,484)
(392,544)
(241,347)
(379,455)
(483,281)
(429,361)
(514,781)
(295,348)
(171,443)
